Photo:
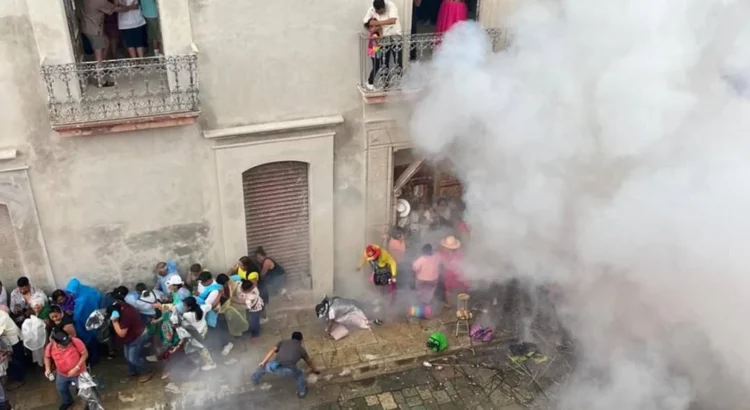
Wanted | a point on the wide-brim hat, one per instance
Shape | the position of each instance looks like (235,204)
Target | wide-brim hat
(450,242)
(403,208)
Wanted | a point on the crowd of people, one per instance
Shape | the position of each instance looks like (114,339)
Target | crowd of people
(107,23)
(195,318)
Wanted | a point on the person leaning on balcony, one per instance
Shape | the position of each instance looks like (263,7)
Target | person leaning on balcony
(92,26)
(385,15)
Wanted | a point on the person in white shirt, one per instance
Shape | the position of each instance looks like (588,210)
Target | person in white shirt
(10,339)
(384,14)
(211,293)
(133,28)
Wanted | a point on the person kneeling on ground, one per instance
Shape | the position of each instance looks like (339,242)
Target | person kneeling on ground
(285,356)
(69,356)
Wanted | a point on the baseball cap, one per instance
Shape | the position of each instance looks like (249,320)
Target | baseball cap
(174,280)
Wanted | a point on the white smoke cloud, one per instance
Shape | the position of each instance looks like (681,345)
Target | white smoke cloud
(608,149)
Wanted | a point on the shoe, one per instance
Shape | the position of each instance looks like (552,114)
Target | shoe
(370,87)
(152,359)
(231,361)
(208,367)
(65,406)
(146,377)
(105,84)
(263,320)
(228,348)
(127,379)
(302,394)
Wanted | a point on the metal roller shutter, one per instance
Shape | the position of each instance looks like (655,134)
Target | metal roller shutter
(277,216)
(10,257)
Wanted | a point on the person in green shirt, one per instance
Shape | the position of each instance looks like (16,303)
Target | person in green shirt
(150,11)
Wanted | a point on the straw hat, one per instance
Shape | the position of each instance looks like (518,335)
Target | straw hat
(450,242)
(403,208)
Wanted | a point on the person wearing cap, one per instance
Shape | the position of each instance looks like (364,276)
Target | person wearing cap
(69,355)
(451,259)
(164,271)
(178,289)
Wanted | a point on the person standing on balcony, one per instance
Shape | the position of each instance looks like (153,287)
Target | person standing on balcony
(384,13)
(133,28)
(150,11)
(94,12)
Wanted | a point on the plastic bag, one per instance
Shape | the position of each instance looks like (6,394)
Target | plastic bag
(99,321)
(87,391)
(347,313)
(34,333)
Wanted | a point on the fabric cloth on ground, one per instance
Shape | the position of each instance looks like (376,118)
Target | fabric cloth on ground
(86,301)
(347,312)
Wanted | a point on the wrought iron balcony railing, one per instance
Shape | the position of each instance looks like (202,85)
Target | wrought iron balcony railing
(386,70)
(88,92)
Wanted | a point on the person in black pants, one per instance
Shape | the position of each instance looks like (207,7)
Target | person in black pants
(10,340)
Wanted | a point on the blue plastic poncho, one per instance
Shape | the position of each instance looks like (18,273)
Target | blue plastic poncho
(87,300)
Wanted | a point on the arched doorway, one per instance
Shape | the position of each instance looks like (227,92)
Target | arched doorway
(11,265)
(277,216)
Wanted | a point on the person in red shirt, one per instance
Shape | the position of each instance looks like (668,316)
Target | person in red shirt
(69,357)
(131,333)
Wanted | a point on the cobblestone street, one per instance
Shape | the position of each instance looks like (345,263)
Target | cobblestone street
(465,381)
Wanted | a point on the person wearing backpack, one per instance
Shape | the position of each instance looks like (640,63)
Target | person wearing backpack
(69,355)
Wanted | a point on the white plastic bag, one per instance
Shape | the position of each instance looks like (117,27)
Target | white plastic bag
(34,333)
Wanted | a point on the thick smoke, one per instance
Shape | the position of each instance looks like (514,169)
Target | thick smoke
(607,149)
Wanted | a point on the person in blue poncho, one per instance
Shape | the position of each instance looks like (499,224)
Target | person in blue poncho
(87,300)
(163,271)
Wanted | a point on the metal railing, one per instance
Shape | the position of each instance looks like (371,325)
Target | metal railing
(121,89)
(387,69)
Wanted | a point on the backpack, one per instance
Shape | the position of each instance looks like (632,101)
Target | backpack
(381,275)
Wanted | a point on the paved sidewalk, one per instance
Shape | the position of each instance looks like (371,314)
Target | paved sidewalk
(362,354)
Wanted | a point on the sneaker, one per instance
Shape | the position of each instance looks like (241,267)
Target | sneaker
(370,87)
(231,361)
(302,394)
(152,359)
(146,377)
(286,294)
(263,320)
(228,348)
(208,367)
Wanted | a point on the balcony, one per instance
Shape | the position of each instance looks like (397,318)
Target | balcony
(388,76)
(122,95)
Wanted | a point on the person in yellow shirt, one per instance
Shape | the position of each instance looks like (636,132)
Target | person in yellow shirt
(384,266)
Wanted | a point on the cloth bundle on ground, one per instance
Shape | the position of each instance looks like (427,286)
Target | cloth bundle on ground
(481,333)
(343,311)
(521,352)
(437,342)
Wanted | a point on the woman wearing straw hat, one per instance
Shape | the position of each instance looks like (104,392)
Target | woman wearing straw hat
(451,258)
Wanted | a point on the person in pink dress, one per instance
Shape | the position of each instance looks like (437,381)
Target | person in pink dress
(451,259)
(451,12)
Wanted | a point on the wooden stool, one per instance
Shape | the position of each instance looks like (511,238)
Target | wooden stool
(463,314)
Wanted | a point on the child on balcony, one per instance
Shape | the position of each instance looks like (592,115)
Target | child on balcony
(374,51)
